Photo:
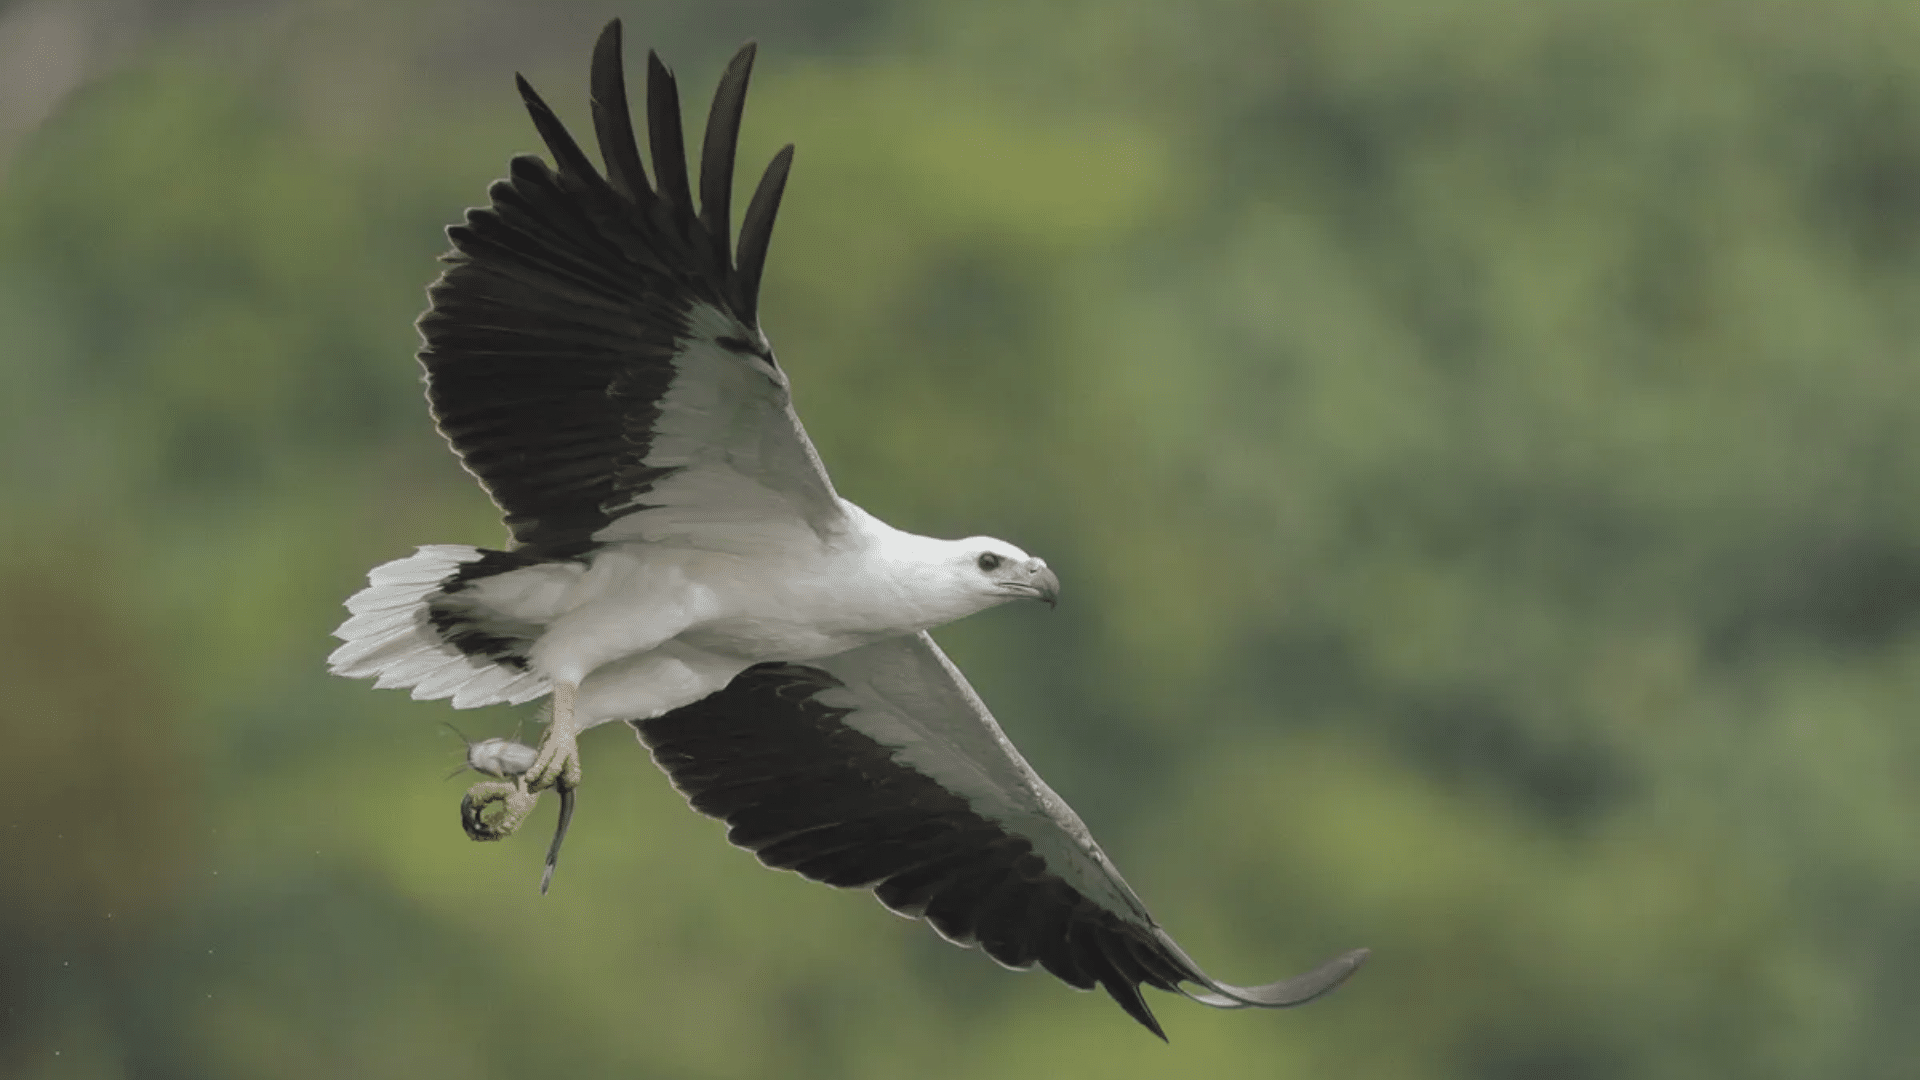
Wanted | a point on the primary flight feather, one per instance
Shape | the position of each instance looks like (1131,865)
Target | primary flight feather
(680,561)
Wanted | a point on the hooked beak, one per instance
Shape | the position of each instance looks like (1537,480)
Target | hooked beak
(1041,583)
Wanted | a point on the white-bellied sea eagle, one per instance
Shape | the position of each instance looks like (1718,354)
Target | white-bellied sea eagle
(680,561)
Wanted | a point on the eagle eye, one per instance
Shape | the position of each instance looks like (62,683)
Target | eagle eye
(988,561)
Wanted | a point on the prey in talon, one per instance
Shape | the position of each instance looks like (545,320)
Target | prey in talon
(509,761)
(496,757)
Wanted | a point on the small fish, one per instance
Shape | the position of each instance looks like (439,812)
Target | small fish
(498,758)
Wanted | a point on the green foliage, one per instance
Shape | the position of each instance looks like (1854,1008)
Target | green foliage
(1477,441)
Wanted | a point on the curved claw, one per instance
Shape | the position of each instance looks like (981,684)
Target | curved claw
(478,814)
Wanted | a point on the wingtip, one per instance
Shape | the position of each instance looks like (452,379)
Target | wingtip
(607,45)
(756,233)
(1126,994)
(537,107)
(1329,976)
(1153,1025)
(1301,989)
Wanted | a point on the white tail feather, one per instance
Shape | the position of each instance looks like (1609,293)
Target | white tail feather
(388,638)
(499,684)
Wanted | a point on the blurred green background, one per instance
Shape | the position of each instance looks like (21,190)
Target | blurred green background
(1479,440)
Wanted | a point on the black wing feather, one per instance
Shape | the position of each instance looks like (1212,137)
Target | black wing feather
(551,336)
(716,153)
(663,130)
(806,792)
(756,232)
(613,124)
(573,162)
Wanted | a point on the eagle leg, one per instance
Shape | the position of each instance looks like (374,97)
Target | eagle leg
(559,758)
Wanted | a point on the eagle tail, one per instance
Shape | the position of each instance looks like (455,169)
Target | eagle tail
(404,631)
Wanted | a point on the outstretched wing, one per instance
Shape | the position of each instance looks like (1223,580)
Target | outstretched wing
(593,350)
(881,769)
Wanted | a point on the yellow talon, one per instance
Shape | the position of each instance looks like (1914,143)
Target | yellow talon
(495,809)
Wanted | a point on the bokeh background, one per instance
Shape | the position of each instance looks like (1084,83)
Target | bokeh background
(1480,442)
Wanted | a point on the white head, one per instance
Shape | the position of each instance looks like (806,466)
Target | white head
(955,578)
(1004,572)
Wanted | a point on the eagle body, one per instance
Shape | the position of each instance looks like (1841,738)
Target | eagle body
(644,627)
